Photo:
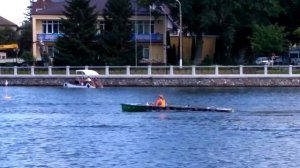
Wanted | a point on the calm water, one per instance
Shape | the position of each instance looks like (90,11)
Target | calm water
(57,127)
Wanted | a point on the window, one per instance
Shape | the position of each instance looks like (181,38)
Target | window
(146,53)
(140,27)
(56,26)
(51,26)
(101,27)
(143,27)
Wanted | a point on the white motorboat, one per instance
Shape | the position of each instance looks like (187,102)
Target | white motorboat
(85,79)
(71,85)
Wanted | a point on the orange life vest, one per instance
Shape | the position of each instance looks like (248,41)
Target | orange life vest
(161,102)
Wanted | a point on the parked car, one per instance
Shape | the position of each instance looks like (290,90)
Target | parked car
(263,61)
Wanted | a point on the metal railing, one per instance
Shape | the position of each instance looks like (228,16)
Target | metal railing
(135,71)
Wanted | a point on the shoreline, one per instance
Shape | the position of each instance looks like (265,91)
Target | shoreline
(160,81)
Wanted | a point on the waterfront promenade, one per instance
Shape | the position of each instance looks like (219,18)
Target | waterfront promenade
(160,76)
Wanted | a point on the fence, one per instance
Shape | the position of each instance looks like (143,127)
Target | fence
(216,70)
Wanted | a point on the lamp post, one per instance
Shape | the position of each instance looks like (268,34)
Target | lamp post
(136,33)
(150,35)
(180,33)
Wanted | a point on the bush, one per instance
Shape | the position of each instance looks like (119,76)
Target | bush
(28,57)
(208,60)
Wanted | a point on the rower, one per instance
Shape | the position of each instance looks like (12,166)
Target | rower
(161,102)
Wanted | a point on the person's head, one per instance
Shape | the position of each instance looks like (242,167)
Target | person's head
(160,96)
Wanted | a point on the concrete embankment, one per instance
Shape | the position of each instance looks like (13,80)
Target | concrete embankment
(162,81)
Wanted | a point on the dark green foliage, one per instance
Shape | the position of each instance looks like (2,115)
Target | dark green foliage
(296,34)
(207,60)
(8,35)
(289,18)
(249,14)
(241,49)
(77,45)
(116,44)
(269,39)
(175,57)
(224,27)
(232,20)
(193,47)
(198,17)
(171,56)
(258,11)
(225,18)
(147,2)
(25,40)
(27,56)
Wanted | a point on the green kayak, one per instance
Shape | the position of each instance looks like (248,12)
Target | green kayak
(148,108)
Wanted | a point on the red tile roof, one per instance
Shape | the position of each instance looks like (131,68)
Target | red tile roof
(56,7)
(47,7)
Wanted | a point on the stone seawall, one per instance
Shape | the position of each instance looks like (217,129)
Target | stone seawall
(159,81)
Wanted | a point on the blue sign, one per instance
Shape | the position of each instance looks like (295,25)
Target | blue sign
(48,37)
(142,38)
(155,38)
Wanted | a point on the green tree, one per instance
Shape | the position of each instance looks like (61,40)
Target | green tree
(269,39)
(77,44)
(225,28)
(8,35)
(171,57)
(28,57)
(248,15)
(289,18)
(197,17)
(233,23)
(296,33)
(116,44)
(200,18)
(25,40)
(231,20)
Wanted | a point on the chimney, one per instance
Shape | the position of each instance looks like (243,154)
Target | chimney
(44,4)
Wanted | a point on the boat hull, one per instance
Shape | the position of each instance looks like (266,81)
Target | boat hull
(148,108)
(86,86)
(85,79)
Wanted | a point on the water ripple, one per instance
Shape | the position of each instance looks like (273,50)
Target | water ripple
(55,127)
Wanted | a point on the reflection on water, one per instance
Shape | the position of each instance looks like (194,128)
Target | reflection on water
(56,127)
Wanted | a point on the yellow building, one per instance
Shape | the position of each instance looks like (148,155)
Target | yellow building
(150,31)
(46,15)
(208,49)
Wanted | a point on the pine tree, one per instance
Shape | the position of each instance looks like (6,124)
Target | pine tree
(117,46)
(25,40)
(76,45)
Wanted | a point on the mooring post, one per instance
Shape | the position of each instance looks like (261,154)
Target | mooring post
(67,70)
(49,70)
(32,70)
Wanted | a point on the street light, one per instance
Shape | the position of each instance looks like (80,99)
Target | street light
(151,7)
(180,33)
(150,35)
(136,33)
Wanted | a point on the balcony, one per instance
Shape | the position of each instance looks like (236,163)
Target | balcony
(48,37)
(141,38)
(145,38)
